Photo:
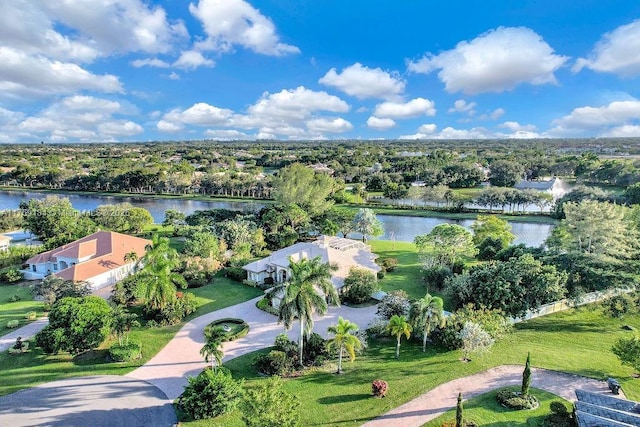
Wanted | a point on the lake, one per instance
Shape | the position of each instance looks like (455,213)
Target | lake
(397,227)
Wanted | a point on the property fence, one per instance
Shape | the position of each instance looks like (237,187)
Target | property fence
(566,303)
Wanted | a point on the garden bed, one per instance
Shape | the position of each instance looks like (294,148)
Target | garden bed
(233,328)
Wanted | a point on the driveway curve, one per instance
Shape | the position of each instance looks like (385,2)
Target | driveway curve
(439,400)
(97,401)
(181,358)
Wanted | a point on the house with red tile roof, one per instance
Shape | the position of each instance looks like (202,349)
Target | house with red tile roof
(4,242)
(98,259)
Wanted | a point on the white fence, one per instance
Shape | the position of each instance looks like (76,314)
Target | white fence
(566,304)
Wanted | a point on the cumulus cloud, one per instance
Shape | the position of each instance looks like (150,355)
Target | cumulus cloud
(461,106)
(227,135)
(448,133)
(37,76)
(236,22)
(617,52)
(192,59)
(380,124)
(427,128)
(516,127)
(77,118)
(494,62)
(322,125)
(404,110)
(150,62)
(626,131)
(201,114)
(363,82)
(617,112)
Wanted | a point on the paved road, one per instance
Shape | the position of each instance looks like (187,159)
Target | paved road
(98,401)
(25,332)
(444,397)
(181,358)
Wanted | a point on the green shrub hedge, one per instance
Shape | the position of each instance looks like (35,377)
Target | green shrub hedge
(11,324)
(229,336)
(515,400)
(125,352)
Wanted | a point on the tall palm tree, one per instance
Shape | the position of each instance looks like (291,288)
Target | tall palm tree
(157,282)
(398,326)
(426,314)
(343,340)
(308,290)
(211,351)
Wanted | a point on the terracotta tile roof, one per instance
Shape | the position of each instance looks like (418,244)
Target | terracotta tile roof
(4,238)
(106,248)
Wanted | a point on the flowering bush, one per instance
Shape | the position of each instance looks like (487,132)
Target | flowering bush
(379,388)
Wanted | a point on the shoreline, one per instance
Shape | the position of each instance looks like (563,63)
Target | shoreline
(379,210)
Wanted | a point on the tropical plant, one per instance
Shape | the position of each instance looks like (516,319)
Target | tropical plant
(210,394)
(211,351)
(426,314)
(122,323)
(309,290)
(269,405)
(398,326)
(343,340)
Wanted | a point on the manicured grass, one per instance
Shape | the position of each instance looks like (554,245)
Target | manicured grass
(408,274)
(576,341)
(35,367)
(485,410)
(16,310)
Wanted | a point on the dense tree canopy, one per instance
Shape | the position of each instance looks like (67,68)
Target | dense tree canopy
(301,185)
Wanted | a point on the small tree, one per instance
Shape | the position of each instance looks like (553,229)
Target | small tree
(526,377)
(211,351)
(269,405)
(628,351)
(343,340)
(395,303)
(398,326)
(366,223)
(474,339)
(123,321)
(459,412)
(359,285)
(210,394)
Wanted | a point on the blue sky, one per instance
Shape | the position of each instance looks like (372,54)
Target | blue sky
(134,70)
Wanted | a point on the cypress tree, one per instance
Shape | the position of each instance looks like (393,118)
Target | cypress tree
(526,376)
(459,412)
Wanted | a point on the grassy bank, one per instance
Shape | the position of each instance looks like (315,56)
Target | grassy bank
(18,309)
(36,367)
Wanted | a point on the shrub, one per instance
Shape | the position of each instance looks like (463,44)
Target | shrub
(359,285)
(264,304)
(210,394)
(235,273)
(31,315)
(628,351)
(19,350)
(515,400)
(378,328)
(10,275)
(435,277)
(14,298)
(11,324)
(275,362)
(395,303)
(213,331)
(558,407)
(183,305)
(379,388)
(315,350)
(388,264)
(268,405)
(124,291)
(381,273)
(125,352)
(617,306)
(250,283)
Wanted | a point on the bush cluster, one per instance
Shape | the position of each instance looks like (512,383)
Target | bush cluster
(11,324)
(127,352)
(283,359)
(492,321)
(212,393)
(515,400)
(358,286)
(10,275)
(226,336)
(235,273)
(379,388)
(265,304)
(183,305)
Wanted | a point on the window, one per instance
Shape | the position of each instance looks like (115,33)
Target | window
(55,267)
(33,268)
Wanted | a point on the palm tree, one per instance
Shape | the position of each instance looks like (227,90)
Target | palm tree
(343,340)
(211,350)
(397,327)
(426,314)
(157,281)
(308,290)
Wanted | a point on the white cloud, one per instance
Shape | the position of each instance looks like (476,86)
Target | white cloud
(448,133)
(192,59)
(150,62)
(236,22)
(497,113)
(427,128)
(322,125)
(36,76)
(399,110)
(118,25)
(461,106)
(227,135)
(617,112)
(169,127)
(363,82)
(201,114)
(78,118)
(380,124)
(516,127)
(616,52)
(626,131)
(174,76)
(495,61)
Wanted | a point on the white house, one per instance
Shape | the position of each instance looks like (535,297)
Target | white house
(553,186)
(340,252)
(4,242)
(98,259)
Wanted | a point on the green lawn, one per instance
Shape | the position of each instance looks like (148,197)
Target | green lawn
(35,367)
(485,410)
(408,274)
(16,310)
(576,341)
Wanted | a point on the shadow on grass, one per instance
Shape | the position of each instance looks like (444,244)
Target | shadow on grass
(561,325)
(330,400)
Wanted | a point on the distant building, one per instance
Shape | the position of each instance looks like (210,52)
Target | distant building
(321,167)
(4,243)
(553,186)
(98,259)
(338,251)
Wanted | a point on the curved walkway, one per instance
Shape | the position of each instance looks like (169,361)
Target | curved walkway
(25,332)
(436,402)
(97,401)
(181,358)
